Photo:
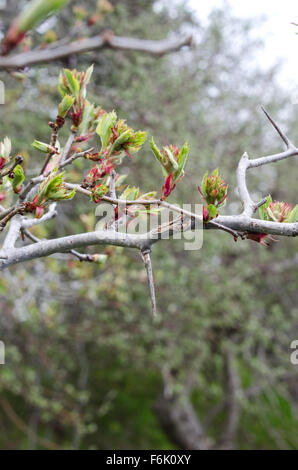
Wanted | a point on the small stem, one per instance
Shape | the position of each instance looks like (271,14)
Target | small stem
(235,234)
(71,159)
(10,215)
(55,129)
(261,203)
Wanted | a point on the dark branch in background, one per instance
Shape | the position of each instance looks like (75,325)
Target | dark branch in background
(177,416)
(96,43)
(233,388)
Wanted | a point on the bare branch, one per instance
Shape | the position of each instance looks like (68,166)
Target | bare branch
(105,40)
(12,212)
(248,204)
(65,244)
(235,234)
(80,256)
(74,157)
(12,234)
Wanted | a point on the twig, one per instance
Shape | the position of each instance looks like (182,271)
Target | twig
(12,213)
(261,203)
(71,159)
(235,234)
(55,129)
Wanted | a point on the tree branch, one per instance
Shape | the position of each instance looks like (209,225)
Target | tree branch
(232,401)
(65,244)
(80,256)
(105,40)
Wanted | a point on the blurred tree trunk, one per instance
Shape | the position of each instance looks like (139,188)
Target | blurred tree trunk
(180,422)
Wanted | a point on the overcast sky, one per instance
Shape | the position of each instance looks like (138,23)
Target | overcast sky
(279,35)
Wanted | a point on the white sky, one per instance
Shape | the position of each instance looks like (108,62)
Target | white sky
(281,42)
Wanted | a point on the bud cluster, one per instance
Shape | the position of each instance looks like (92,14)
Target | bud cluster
(72,84)
(117,138)
(172,160)
(278,211)
(214,191)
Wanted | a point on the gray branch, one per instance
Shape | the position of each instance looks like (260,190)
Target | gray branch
(106,40)
(245,163)
(64,244)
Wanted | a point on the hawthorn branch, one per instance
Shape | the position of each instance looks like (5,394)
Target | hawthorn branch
(237,223)
(12,234)
(96,43)
(79,256)
(65,244)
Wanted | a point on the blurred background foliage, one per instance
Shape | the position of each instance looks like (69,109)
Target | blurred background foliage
(85,362)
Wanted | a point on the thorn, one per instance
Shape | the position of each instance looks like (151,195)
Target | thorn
(261,203)
(147,261)
(277,128)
